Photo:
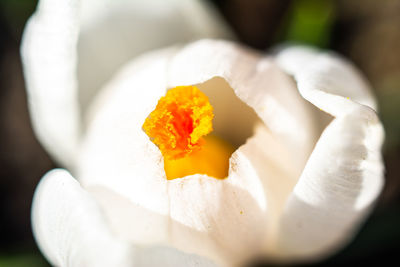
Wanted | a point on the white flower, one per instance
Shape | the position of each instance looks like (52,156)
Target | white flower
(297,189)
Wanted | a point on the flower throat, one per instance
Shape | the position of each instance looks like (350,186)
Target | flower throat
(179,126)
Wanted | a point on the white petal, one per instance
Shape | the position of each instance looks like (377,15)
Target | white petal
(226,220)
(116,153)
(185,212)
(71,231)
(347,81)
(110,34)
(70,228)
(344,174)
(258,82)
(203,215)
(145,228)
(272,162)
(169,257)
(120,159)
(115,31)
(49,61)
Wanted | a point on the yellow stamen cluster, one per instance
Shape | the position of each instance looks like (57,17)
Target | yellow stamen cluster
(178,125)
(182,117)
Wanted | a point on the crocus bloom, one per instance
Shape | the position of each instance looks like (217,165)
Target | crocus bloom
(304,174)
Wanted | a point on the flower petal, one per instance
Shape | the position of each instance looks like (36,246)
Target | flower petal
(271,160)
(110,33)
(298,59)
(115,31)
(185,211)
(344,174)
(71,231)
(202,210)
(117,147)
(169,257)
(226,220)
(69,227)
(258,82)
(49,59)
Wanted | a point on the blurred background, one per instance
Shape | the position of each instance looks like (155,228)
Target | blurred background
(366,31)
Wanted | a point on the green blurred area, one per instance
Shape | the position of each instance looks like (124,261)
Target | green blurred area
(15,13)
(22,260)
(389,104)
(310,22)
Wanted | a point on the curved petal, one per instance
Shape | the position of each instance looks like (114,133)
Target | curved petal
(296,60)
(258,82)
(230,216)
(201,212)
(271,160)
(117,147)
(110,34)
(71,231)
(115,31)
(69,227)
(344,174)
(49,60)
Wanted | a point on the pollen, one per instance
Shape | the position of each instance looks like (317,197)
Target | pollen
(179,122)
(179,126)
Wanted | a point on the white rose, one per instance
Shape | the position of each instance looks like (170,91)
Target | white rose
(298,186)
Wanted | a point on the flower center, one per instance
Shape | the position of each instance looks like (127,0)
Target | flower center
(178,126)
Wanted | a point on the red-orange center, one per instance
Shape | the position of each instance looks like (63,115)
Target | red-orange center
(178,126)
(182,117)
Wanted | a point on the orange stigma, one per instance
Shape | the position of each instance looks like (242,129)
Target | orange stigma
(182,117)
(178,126)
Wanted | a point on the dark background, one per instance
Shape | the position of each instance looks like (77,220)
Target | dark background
(366,31)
